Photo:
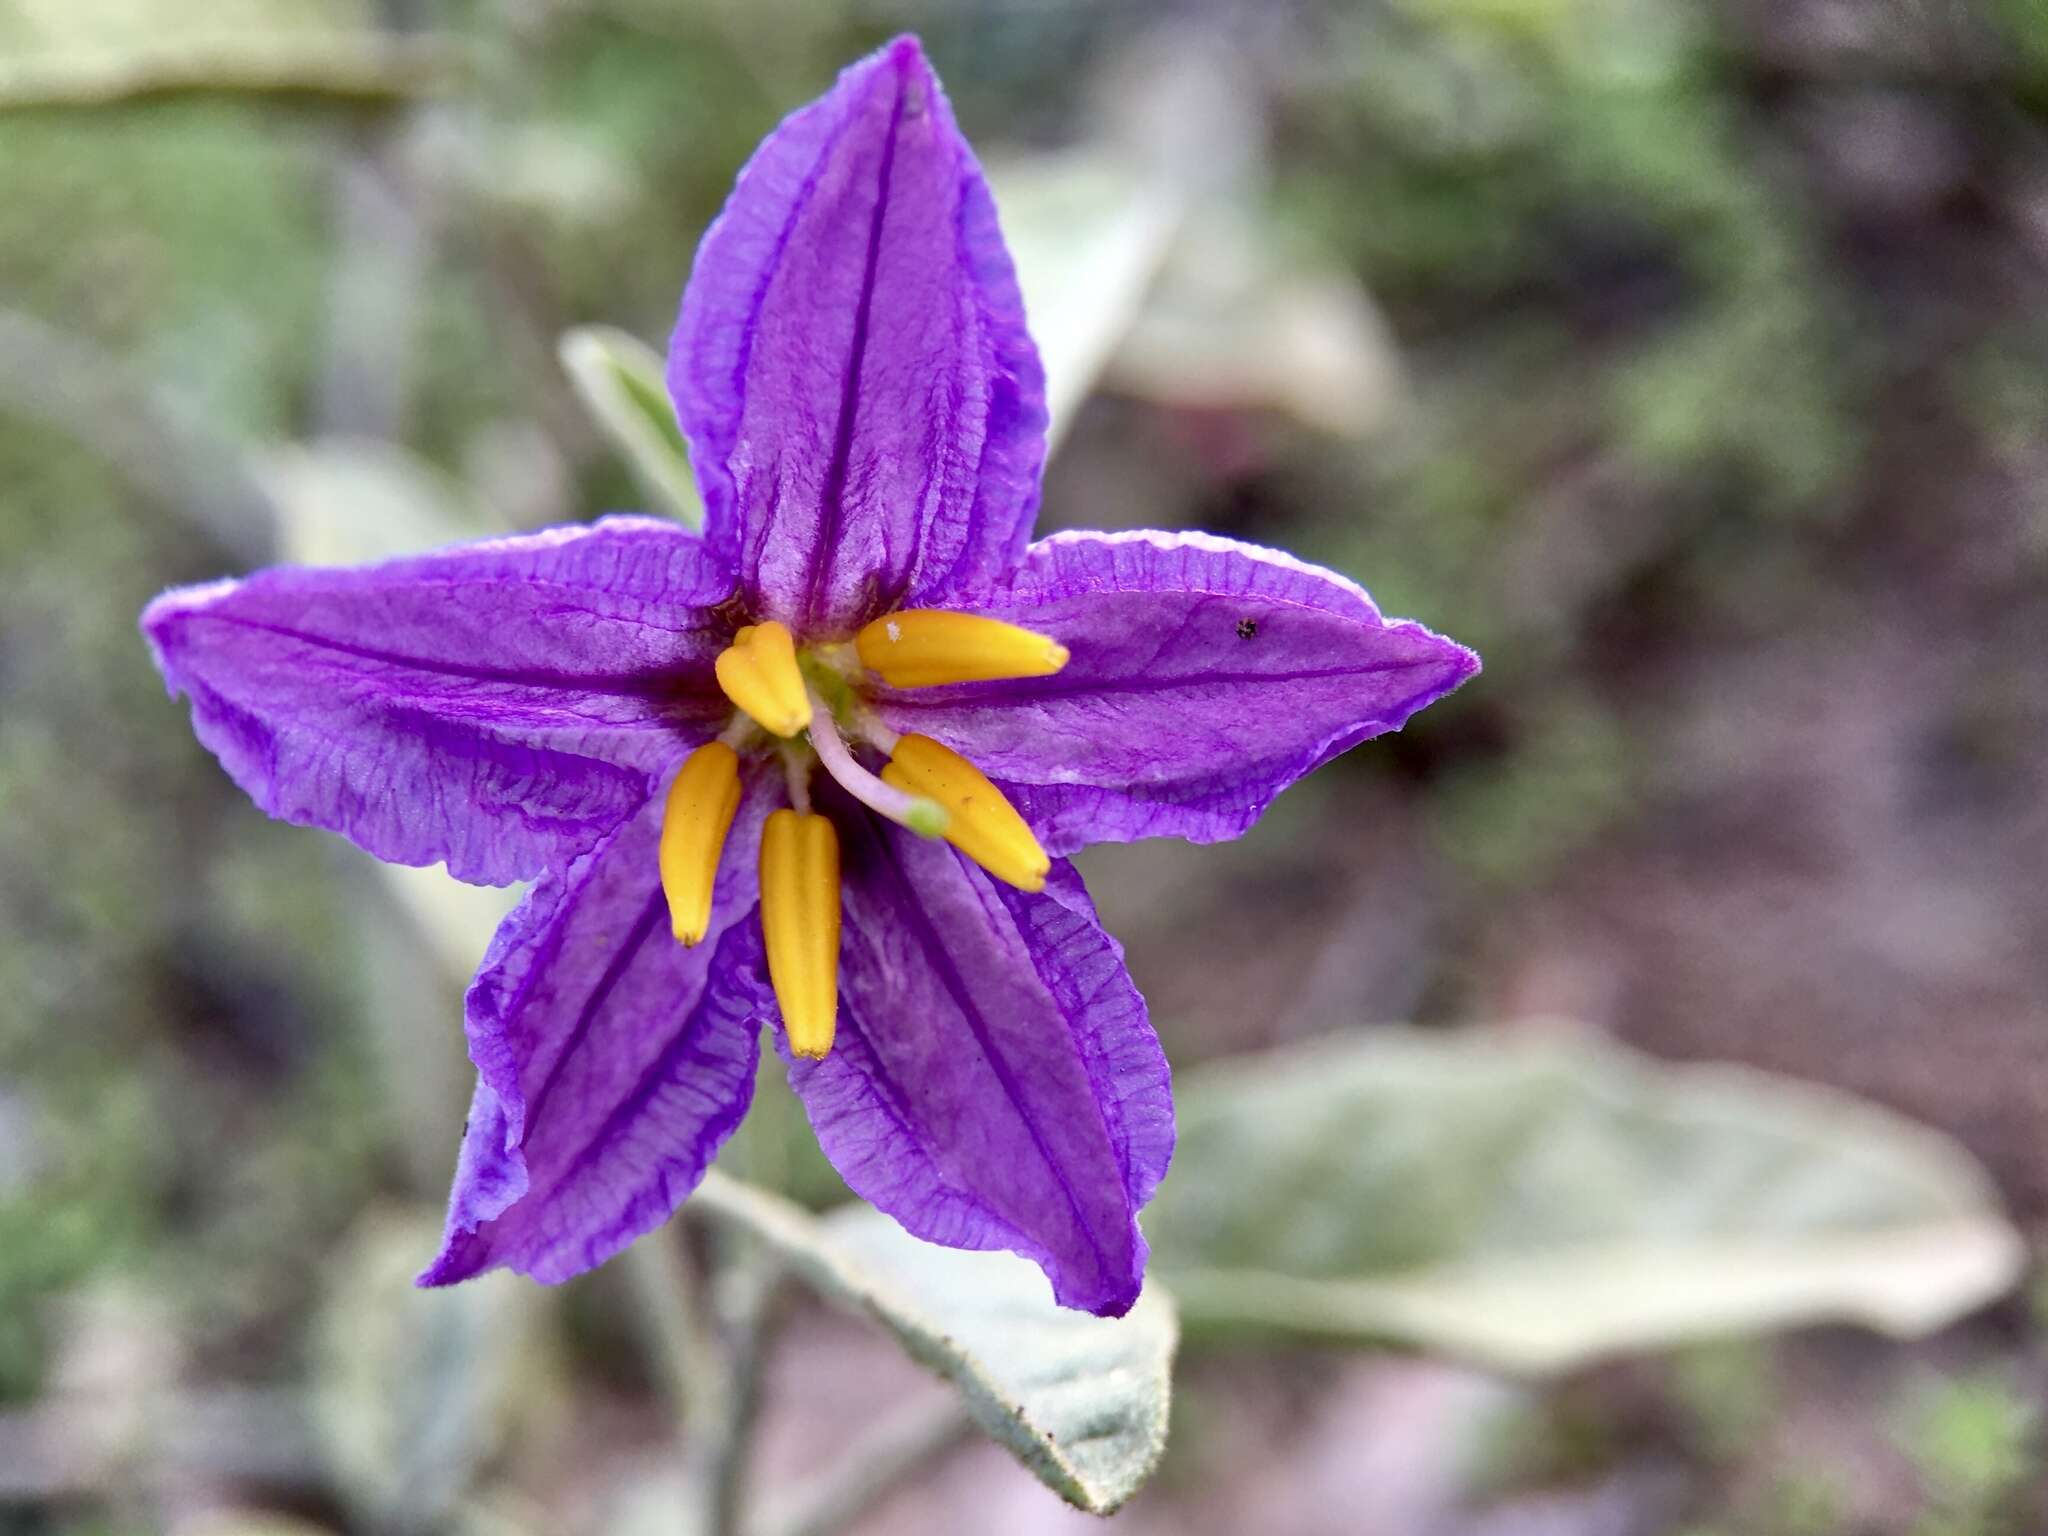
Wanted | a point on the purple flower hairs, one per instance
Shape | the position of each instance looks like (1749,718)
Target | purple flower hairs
(638,716)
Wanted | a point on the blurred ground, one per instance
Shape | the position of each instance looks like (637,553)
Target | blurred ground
(1704,384)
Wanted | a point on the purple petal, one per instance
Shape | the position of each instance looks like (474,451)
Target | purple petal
(1206,677)
(865,409)
(500,705)
(612,1063)
(995,1082)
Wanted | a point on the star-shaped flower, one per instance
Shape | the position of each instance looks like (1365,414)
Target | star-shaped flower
(638,715)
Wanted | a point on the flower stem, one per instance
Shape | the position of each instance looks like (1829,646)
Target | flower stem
(870,1469)
(693,1364)
(754,1285)
(711,1340)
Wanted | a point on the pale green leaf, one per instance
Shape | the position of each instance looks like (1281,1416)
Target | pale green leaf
(1238,322)
(1080,1400)
(414,1390)
(455,920)
(365,70)
(621,379)
(1087,234)
(249,1522)
(1534,1201)
(344,501)
(49,26)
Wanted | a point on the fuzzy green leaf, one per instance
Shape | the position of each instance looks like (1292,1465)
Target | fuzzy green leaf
(1081,1401)
(1087,234)
(620,378)
(414,1391)
(1534,1201)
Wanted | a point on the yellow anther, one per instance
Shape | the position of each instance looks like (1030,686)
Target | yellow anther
(923,647)
(800,919)
(758,672)
(979,821)
(701,803)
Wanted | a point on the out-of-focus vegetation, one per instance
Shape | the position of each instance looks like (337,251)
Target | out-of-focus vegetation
(1687,359)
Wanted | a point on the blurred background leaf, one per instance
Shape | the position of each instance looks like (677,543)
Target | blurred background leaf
(346,502)
(620,378)
(1533,1203)
(1087,232)
(415,1391)
(247,1522)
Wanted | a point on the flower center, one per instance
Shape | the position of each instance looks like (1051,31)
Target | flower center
(814,703)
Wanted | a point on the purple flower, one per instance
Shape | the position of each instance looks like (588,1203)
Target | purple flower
(638,715)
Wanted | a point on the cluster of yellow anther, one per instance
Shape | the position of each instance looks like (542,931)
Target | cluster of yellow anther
(924,784)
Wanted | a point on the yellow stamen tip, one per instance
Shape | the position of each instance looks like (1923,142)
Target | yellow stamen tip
(925,647)
(800,921)
(980,822)
(694,824)
(758,672)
